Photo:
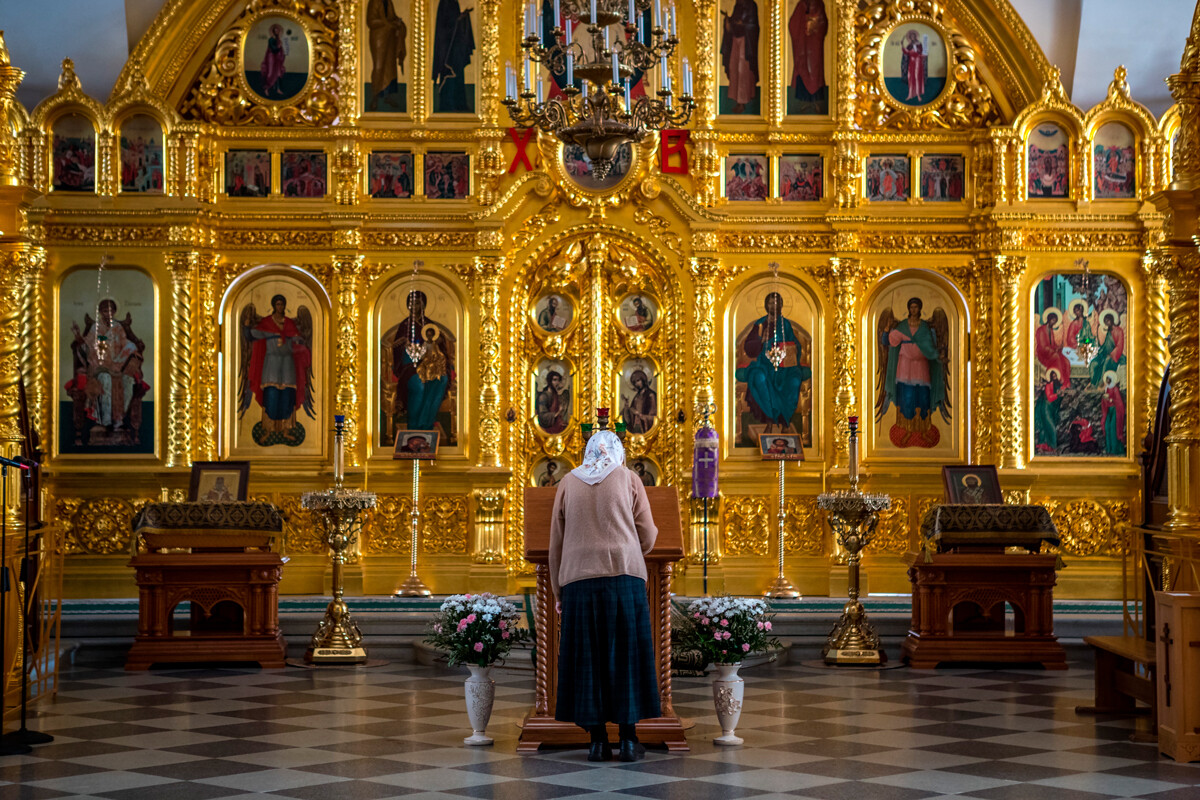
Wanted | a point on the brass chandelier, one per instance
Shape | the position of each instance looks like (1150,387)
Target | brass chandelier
(600,114)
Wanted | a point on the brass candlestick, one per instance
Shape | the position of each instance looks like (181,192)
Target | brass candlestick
(413,586)
(782,587)
(338,639)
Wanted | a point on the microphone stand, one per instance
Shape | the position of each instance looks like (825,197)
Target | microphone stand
(24,736)
(7,748)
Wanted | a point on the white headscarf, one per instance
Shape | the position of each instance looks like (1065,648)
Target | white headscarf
(604,454)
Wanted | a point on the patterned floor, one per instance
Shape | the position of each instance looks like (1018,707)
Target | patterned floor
(396,731)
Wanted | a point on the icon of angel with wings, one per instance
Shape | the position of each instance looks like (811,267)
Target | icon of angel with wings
(913,373)
(276,371)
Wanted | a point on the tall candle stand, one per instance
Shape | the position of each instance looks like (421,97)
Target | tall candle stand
(853,516)
(341,511)
(782,587)
(413,586)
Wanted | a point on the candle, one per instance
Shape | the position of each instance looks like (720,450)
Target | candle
(557,15)
(539,87)
(607,44)
(570,68)
(510,80)
(674,22)
(528,77)
(616,70)
(529,19)
(853,451)
(632,12)
(687,77)
(593,16)
(628,98)
(657,13)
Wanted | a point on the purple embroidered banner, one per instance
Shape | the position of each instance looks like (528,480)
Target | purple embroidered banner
(704,463)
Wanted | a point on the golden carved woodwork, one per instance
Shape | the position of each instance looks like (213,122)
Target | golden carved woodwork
(803,528)
(1084,527)
(99,526)
(747,524)
(220,94)
(444,523)
(896,531)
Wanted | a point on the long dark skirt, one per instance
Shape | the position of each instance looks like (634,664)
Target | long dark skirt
(606,654)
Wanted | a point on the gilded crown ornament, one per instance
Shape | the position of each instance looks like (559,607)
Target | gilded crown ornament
(598,112)
(1087,347)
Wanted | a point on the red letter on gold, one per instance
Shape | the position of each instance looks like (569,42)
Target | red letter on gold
(521,140)
(673,142)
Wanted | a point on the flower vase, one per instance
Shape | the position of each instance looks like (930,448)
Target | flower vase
(728,691)
(481,693)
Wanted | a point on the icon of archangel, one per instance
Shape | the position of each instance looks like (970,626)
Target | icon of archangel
(913,374)
(276,371)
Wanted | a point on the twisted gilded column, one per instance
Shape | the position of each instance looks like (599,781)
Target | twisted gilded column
(13,260)
(348,272)
(485,281)
(846,274)
(350,98)
(182,266)
(1156,316)
(983,372)
(1011,270)
(35,356)
(597,254)
(205,331)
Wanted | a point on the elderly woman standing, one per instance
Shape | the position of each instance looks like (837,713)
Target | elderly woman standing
(600,530)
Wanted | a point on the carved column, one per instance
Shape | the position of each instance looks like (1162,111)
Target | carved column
(597,253)
(846,274)
(10,142)
(983,372)
(1156,315)
(35,356)
(488,540)
(705,272)
(179,418)
(1183,443)
(488,270)
(13,260)
(207,348)
(347,66)
(1011,271)
(348,271)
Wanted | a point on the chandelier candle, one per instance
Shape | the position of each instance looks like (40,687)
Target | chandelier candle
(854,453)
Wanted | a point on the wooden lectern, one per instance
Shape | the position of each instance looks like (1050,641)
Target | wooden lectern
(539,726)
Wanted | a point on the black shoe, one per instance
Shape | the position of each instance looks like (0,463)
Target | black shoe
(600,751)
(631,750)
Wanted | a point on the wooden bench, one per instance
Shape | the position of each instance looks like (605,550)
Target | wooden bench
(1124,675)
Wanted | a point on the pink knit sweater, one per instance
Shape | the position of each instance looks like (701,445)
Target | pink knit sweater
(600,531)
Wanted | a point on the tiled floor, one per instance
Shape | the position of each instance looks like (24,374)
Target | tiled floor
(396,731)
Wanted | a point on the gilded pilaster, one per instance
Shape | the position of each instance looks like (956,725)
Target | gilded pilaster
(10,144)
(847,46)
(489,62)
(487,543)
(846,280)
(1183,443)
(985,412)
(205,333)
(1156,318)
(704,271)
(488,270)
(350,97)
(776,94)
(106,176)
(14,258)
(35,356)
(706,79)
(348,269)
(597,253)
(1011,270)
(179,418)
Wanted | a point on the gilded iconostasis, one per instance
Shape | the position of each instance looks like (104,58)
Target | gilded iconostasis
(281,200)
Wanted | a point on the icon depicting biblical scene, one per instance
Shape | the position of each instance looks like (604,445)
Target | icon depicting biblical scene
(638,312)
(142,155)
(913,379)
(106,362)
(646,470)
(801,178)
(414,445)
(418,351)
(1114,162)
(972,484)
(276,391)
(74,154)
(887,178)
(302,173)
(638,393)
(385,85)
(578,167)
(914,64)
(741,28)
(942,178)
(390,175)
(781,447)
(275,58)
(808,27)
(1048,156)
(772,318)
(1080,380)
(553,386)
(553,313)
(247,173)
(447,176)
(549,471)
(746,177)
(453,64)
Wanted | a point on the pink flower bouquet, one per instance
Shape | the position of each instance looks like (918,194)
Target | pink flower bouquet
(729,629)
(476,629)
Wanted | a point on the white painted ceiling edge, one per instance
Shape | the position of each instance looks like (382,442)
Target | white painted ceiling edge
(1087,39)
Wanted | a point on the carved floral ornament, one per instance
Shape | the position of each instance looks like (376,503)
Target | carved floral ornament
(222,94)
(964,102)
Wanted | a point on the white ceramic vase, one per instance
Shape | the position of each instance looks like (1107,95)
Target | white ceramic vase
(728,691)
(481,693)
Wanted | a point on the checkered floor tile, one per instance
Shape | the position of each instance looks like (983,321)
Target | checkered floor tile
(396,731)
